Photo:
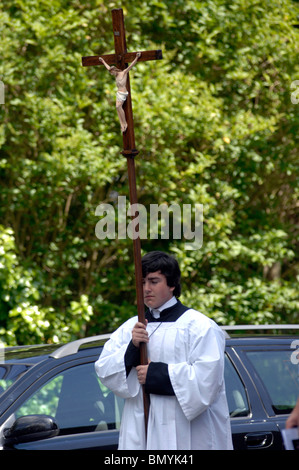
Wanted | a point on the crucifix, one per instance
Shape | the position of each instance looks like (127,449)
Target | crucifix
(121,58)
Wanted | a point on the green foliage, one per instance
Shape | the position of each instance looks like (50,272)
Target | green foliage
(214,124)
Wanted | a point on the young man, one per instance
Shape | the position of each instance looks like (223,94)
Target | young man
(184,377)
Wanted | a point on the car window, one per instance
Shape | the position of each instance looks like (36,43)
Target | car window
(235,391)
(279,375)
(77,400)
(9,373)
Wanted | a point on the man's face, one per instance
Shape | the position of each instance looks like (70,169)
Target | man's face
(155,290)
(114,71)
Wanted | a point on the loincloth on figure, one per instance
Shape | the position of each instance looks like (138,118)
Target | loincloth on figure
(121,95)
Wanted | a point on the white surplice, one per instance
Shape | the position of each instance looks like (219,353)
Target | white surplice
(197,416)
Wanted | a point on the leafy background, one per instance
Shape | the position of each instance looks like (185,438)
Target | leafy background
(214,124)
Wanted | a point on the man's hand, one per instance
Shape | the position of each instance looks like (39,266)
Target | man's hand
(139,334)
(293,419)
(141,373)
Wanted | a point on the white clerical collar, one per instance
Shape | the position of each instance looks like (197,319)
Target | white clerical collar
(156,311)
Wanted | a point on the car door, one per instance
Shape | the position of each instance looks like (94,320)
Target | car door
(250,428)
(87,413)
(277,378)
(270,381)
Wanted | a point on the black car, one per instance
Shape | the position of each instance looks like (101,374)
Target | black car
(52,399)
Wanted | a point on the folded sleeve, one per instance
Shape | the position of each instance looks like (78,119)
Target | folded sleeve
(111,367)
(132,357)
(157,379)
(197,381)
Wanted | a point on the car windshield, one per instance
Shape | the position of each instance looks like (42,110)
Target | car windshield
(9,373)
(279,375)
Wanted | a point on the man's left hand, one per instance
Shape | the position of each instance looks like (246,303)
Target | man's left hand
(141,373)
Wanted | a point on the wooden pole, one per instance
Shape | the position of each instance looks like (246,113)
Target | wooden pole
(129,151)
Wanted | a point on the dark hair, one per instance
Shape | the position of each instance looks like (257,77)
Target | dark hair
(167,265)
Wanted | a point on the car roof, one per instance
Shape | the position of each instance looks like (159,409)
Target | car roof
(235,334)
(32,354)
(257,335)
(260,340)
(270,327)
(29,354)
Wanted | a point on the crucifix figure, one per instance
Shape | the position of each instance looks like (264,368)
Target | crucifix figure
(120,59)
(121,77)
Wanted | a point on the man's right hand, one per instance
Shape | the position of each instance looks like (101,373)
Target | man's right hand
(139,334)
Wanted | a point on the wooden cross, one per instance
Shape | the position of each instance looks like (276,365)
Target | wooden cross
(121,59)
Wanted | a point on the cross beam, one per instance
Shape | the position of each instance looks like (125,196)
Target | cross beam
(112,59)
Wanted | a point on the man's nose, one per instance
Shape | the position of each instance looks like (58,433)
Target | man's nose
(146,287)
